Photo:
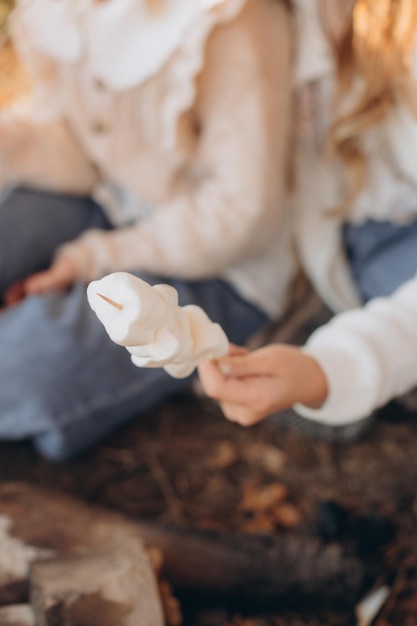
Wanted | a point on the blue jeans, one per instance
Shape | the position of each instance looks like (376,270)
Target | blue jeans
(382,256)
(63,383)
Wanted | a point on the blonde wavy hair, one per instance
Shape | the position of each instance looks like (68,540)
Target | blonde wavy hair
(373,48)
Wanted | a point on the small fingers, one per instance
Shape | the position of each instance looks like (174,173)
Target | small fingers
(235,350)
(214,385)
(248,364)
(245,401)
(41,283)
(60,276)
(210,377)
(217,386)
(14,294)
(242,415)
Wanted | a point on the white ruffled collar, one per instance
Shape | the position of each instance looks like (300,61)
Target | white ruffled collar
(122,43)
(314,58)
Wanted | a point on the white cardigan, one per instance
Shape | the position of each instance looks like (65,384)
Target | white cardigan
(369,354)
(176,121)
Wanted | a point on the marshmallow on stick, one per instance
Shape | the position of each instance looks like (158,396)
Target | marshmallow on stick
(152,326)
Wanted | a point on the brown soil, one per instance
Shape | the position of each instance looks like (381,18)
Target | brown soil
(185,464)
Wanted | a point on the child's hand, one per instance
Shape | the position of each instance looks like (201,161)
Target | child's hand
(14,294)
(250,387)
(61,275)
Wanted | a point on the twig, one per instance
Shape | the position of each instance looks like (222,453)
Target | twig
(390,603)
(159,475)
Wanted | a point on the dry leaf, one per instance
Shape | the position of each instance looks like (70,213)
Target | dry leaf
(224,455)
(259,524)
(286,515)
(170,604)
(262,498)
(269,458)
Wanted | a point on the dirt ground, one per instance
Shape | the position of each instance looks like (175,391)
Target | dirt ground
(185,464)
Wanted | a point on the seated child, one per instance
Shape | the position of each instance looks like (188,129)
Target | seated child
(156,143)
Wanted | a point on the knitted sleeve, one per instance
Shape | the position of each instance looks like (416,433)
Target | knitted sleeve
(368,355)
(227,205)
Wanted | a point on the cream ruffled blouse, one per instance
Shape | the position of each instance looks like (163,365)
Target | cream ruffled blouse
(122,43)
(176,123)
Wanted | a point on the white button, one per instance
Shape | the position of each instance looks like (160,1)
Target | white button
(99,128)
(99,84)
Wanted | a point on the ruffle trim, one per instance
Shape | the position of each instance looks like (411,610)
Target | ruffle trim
(119,41)
(314,58)
(54,30)
(187,64)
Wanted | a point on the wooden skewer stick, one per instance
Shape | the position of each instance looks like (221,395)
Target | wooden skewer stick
(117,305)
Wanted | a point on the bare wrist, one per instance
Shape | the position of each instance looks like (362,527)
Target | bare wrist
(316,388)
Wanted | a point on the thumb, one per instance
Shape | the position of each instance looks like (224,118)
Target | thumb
(261,362)
(235,350)
(239,366)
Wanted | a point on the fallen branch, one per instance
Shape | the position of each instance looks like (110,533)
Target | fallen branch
(256,570)
(246,570)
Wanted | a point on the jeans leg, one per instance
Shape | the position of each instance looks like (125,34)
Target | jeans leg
(382,256)
(64,383)
(34,223)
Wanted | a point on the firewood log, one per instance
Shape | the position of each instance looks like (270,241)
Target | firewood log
(247,570)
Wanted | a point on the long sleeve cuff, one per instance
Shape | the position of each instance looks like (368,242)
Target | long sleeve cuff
(353,378)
